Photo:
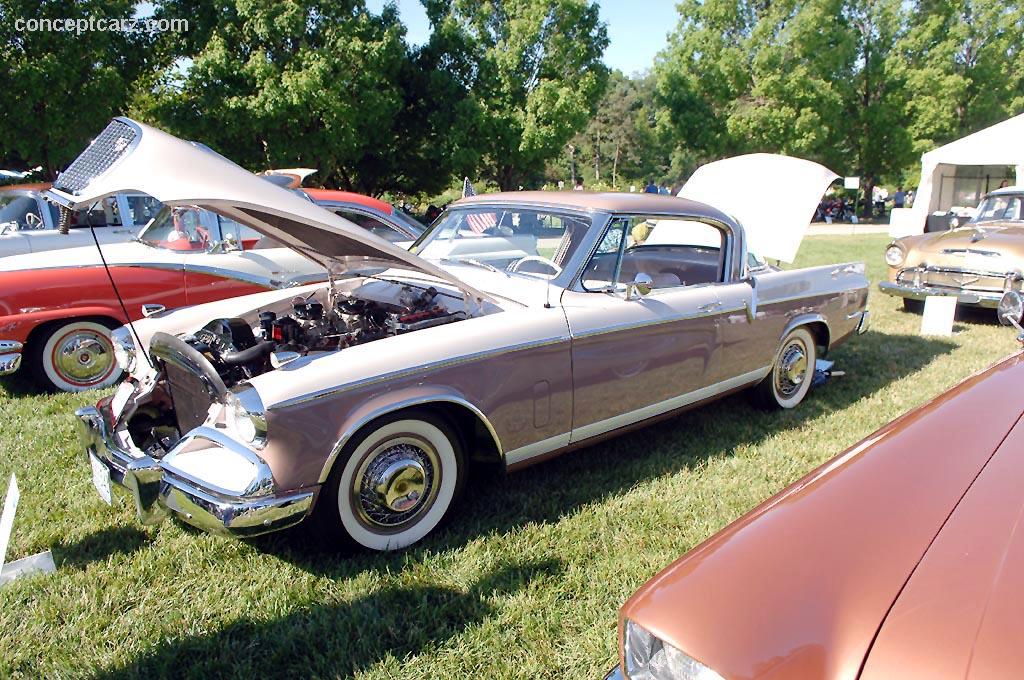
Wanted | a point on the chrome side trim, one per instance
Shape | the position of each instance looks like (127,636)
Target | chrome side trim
(10,346)
(805,319)
(413,370)
(630,325)
(537,448)
(635,416)
(353,428)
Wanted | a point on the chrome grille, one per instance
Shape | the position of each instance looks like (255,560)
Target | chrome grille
(101,154)
(960,279)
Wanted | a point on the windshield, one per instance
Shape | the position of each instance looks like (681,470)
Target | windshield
(17,208)
(532,241)
(995,208)
(178,228)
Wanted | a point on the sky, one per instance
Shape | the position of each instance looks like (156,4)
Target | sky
(637,29)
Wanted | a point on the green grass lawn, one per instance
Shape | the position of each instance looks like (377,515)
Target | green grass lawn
(525,581)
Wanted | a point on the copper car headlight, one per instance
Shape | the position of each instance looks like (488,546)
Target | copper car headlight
(649,658)
(894,255)
(125,353)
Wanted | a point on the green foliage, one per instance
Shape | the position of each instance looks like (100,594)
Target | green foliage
(622,144)
(962,61)
(60,88)
(535,73)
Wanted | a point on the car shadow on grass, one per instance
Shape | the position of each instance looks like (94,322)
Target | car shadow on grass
(338,639)
(496,503)
(97,547)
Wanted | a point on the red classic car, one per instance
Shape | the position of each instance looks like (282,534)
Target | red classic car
(57,310)
(900,558)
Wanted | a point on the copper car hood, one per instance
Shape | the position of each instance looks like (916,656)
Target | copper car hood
(131,156)
(799,587)
(1005,238)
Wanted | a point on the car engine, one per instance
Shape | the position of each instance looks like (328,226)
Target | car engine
(238,350)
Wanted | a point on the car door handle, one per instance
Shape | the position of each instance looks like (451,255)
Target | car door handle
(710,306)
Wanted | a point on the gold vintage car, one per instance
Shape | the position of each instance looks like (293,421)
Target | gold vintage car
(976,262)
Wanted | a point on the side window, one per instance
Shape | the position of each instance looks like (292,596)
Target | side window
(673,252)
(373,225)
(245,237)
(142,209)
(103,213)
(601,273)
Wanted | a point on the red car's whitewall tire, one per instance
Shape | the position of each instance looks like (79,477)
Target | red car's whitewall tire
(74,356)
(395,484)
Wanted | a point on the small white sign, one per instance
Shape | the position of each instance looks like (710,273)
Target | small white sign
(939,311)
(851,183)
(7,518)
(33,564)
(101,479)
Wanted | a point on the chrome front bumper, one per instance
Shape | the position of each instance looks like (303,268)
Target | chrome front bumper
(963,297)
(156,492)
(10,356)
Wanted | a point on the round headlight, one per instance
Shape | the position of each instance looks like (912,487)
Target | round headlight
(894,255)
(247,416)
(124,348)
(647,656)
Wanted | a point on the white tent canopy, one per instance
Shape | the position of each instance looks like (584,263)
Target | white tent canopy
(1000,145)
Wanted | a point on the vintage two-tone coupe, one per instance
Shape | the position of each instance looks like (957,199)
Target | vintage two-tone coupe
(902,557)
(361,402)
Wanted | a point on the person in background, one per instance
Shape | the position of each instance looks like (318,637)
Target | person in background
(1005,183)
(651,187)
(663,189)
(579,184)
(899,199)
(432,212)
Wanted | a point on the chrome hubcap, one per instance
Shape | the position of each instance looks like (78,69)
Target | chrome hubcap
(792,369)
(83,357)
(396,482)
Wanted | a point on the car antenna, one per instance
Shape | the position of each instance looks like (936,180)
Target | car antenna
(547,295)
(64,225)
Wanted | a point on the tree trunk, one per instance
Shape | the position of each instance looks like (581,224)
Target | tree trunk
(615,167)
(597,157)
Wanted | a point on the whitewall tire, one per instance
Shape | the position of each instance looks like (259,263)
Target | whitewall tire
(792,372)
(394,483)
(74,356)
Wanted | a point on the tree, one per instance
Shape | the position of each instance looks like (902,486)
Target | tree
(622,141)
(535,73)
(808,78)
(61,88)
(961,62)
(327,85)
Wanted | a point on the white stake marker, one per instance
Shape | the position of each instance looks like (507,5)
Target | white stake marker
(7,518)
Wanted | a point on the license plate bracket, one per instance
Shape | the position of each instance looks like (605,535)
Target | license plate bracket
(101,479)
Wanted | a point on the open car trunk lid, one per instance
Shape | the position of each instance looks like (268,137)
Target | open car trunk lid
(131,156)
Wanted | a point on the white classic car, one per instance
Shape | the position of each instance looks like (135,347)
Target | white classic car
(361,402)
(28,224)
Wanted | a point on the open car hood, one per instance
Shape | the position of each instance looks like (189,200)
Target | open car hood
(774,198)
(131,156)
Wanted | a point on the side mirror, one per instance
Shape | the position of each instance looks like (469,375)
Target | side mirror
(1011,309)
(641,286)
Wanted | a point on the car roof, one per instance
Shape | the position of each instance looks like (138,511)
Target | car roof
(1007,190)
(603,201)
(334,195)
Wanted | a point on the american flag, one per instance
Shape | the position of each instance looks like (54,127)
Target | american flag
(467,188)
(481,222)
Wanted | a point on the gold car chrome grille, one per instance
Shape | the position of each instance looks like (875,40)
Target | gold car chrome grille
(953,277)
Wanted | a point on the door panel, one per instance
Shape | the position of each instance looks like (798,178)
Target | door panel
(630,355)
(747,345)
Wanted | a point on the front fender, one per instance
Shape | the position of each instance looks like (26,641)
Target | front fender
(19,326)
(390,402)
